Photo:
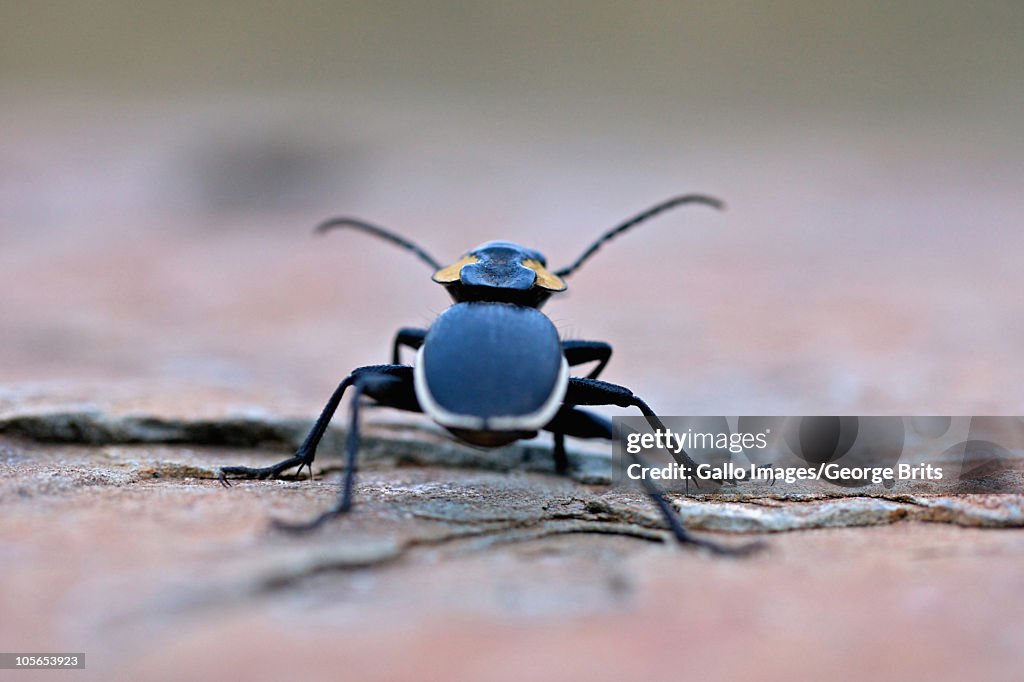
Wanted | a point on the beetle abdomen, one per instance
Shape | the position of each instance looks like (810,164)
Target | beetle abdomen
(491,367)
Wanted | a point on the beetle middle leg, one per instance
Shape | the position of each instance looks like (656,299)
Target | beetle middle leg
(574,422)
(577,423)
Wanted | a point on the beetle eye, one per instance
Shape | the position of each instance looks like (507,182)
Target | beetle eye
(545,280)
(451,273)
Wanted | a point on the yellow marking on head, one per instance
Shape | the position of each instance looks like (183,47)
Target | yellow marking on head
(545,279)
(451,273)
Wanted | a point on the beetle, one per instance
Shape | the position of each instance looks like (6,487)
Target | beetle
(491,369)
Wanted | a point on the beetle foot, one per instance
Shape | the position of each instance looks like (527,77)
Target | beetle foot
(263,473)
(260,473)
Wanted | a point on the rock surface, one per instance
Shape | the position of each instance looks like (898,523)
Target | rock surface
(117,540)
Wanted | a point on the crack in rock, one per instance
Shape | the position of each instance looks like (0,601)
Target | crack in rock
(409,445)
(95,427)
(289,564)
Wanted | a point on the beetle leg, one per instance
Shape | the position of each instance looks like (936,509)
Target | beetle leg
(572,421)
(581,352)
(304,456)
(672,517)
(594,392)
(577,423)
(561,459)
(392,388)
(351,456)
(410,337)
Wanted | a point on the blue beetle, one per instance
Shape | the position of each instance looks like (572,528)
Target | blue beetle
(491,369)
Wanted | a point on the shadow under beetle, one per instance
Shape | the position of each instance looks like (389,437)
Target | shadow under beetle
(491,369)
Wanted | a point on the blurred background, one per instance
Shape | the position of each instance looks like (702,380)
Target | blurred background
(162,165)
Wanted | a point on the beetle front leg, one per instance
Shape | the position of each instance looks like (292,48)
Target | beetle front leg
(410,337)
(582,352)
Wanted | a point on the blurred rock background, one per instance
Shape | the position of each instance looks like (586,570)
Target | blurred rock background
(161,166)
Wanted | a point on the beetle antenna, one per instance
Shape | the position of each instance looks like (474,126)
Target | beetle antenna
(379,232)
(636,220)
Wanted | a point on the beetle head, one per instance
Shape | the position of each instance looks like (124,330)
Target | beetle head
(503,272)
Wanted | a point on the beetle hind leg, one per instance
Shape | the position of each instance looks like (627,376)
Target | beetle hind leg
(226,474)
(351,452)
(388,385)
(391,389)
(573,421)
